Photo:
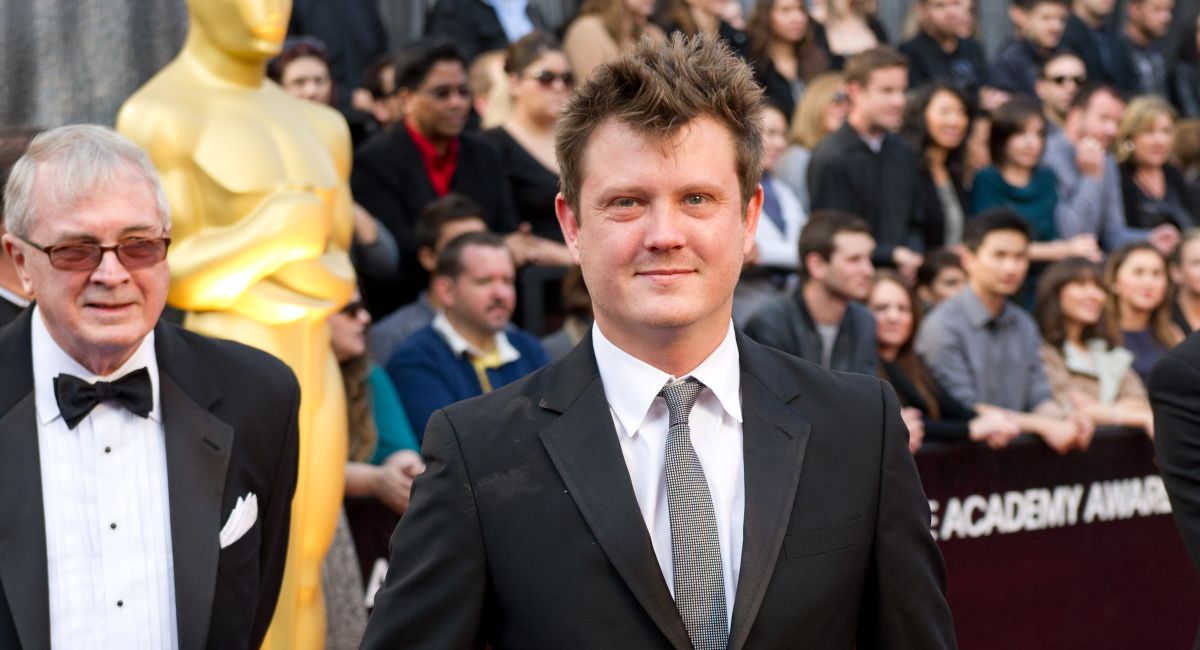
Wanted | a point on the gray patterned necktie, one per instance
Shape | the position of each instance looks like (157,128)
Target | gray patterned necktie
(695,547)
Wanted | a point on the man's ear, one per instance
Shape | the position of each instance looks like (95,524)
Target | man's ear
(19,261)
(443,290)
(750,220)
(814,265)
(568,220)
(427,258)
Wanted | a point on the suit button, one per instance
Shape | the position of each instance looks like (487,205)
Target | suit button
(113,525)
(108,450)
(120,603)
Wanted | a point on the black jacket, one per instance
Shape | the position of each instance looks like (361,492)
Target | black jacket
(1104,54)
(786,325)
(390,181)
(525,531)
(880,187)
(473,25)
(229,415)
(965,68)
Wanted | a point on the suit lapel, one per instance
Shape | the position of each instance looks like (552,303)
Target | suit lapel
(774,437)
(584,449)
(23,573)
(198,450)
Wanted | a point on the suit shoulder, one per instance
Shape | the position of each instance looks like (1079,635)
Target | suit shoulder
(239,364)
(815,380)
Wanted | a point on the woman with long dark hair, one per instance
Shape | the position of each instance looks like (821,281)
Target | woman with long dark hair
(1085,364)
(787,50)
(1139,311)
(937,120)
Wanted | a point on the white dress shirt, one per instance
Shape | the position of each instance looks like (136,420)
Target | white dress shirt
(104,495)
(640,417)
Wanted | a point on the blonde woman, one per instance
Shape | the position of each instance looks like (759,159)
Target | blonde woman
(1153,189)
(821,112)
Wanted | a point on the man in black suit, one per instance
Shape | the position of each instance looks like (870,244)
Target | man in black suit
(1175,397)
(148,472)
(427,155)
(13,142)
(478,26)
(670,483)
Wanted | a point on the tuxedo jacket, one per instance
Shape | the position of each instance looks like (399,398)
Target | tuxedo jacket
(229,418)
(524,531)
(1174,388)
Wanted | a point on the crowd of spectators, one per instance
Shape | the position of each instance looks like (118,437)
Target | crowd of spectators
(931,176)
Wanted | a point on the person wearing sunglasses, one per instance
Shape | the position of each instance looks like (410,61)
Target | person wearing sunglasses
(426,156)
(1062,76)
(151,470)
(540,81)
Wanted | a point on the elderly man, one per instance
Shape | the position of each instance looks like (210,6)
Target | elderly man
(148,472)
(670,483)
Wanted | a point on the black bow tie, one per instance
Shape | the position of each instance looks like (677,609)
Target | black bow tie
(76,397)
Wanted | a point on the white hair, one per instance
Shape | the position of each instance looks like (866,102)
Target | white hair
(75,161)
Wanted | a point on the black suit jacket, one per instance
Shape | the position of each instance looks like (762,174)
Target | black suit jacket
(390,181)
(229,416)
(1174,387)
(8,312)
(524,532)
(846,175)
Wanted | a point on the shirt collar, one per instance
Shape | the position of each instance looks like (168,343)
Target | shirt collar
(50,361)
(630,384)
(428,149)
(978,315)
(460,346)
(14,298)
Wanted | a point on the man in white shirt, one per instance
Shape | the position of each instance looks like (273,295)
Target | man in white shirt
(670,483)
(148,472)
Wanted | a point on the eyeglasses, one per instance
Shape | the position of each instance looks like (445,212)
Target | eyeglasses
(86,256)
(1063,78)
(547,78)
(353,309)
(442,93)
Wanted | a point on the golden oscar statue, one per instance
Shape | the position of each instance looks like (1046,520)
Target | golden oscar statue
(257,183)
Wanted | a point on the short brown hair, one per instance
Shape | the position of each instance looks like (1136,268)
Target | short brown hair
(657,89)
(817,235)
(860,66)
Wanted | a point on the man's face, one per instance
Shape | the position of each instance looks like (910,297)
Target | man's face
(105,313)
(1101,118)
(482,298)
(944,18)
(439,106)
(847,274)
(1151,17)
(881,100)
(660,231)
(1045,23)
(1061,79)
(998,267)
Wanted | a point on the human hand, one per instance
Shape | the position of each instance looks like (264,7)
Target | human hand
(916,427)
(1085,429)
(1085,246)
(1061,435)
(1081,401)
(994,426)
(392,482)
(1089,158)
(907,262)
(521,244)
(1164,237)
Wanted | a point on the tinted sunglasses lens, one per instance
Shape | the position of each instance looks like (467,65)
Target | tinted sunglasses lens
(547,78)
(142,252)
(352,309)
(82,257)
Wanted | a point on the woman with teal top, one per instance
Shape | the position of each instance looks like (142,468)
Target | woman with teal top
(1016,180)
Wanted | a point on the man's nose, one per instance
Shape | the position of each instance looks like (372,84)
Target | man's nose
(110,270)
(664,228)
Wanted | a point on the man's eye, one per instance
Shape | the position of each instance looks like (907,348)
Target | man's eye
(695,199)
(625,203)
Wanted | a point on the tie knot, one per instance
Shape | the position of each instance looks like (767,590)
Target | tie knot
(681,397)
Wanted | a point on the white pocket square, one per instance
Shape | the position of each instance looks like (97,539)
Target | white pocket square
(245,513)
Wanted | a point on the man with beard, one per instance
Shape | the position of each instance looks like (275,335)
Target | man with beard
(938,53)
(469,348)
(1147,24)
(824,321)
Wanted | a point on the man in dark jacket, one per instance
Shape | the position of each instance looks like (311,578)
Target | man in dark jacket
(938,54)
(1090,34)
(477,26)
(422,158)
(824,321)
(865,169)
